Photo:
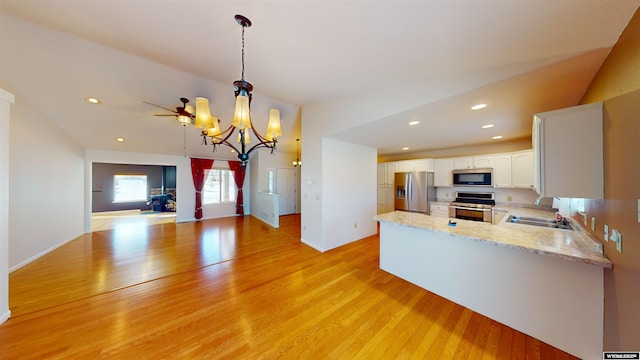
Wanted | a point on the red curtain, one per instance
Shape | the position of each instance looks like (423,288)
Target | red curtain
(238,177)
(198,168)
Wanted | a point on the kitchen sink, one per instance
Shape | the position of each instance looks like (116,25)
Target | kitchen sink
(548,223)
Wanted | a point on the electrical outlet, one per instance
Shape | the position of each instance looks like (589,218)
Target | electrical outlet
(509,198)
(593,223)
(355,225)
(606,232)
(619,242)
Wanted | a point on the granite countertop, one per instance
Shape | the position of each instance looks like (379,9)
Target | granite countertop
(571,245)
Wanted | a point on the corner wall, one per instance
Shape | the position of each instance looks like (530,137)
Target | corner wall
(6,100)
(46,182)
(618,85)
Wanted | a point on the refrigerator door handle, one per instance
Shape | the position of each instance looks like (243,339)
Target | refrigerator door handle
(409,191)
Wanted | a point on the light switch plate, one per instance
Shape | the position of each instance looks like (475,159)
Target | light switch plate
(606,233)
(617,237)
(593,223)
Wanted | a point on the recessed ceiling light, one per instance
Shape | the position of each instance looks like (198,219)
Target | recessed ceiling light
(497,137)
(405,148)
(93,100)
(120,139)
(415,122)
(487,126)
(478,106)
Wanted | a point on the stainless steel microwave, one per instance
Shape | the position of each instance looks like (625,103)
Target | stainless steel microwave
(473,177)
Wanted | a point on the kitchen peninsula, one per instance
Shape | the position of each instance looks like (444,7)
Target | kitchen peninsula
(547,283)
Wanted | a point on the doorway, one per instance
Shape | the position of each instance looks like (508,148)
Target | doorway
(286,186)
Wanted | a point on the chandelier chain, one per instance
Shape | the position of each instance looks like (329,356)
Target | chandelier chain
(243,53)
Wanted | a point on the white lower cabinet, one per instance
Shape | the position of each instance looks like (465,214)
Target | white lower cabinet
(439,209)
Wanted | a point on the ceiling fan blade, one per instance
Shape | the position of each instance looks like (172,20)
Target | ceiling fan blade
(165,115)
(161,107)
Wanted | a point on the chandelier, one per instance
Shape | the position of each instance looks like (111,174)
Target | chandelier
(210,125)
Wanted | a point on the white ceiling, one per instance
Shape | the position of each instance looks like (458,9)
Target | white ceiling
(520,57)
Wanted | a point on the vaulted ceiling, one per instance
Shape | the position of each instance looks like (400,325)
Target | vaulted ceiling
(518,57)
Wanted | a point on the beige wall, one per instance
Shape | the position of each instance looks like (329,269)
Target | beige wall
(618,85)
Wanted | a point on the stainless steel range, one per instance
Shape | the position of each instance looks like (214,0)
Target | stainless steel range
(474,206)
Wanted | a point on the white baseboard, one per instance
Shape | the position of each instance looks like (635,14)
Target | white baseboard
(5,316)
(312,245)
(35,257)
(272,224)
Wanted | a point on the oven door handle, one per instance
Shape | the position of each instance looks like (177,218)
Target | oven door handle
(468,208)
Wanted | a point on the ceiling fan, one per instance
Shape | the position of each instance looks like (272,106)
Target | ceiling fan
(185,113)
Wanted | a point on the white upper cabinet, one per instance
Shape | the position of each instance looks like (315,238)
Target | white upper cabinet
(386,173)
(415,165)
(463,163)
(471,162)
(522,169)
(510,170)
(514,170)
(487,161)
(382,174)
(502,171)
(568,152)
(386,177)
(442,169)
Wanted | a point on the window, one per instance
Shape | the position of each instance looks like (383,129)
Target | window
(219,187)
(271,180)
(129,188)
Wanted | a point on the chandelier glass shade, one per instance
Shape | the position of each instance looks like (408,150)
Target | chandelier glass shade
(210,124)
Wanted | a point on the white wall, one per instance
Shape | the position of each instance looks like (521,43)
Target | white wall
(6,99)
(260,164)
(320,121)
(349,183)
(46,182)
(338,182)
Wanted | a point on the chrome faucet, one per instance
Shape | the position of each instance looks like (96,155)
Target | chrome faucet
(537,202)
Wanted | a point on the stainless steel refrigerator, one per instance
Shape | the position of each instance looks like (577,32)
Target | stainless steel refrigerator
(414,191)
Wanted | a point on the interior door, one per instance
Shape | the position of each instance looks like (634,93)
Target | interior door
(287,189)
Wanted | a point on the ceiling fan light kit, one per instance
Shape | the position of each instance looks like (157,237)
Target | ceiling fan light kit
(210,124)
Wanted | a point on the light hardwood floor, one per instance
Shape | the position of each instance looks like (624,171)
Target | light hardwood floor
(111,219)
(235,288)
